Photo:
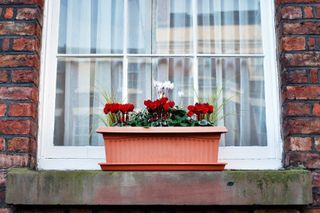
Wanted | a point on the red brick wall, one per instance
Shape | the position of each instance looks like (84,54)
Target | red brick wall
(299,53)
(20,40)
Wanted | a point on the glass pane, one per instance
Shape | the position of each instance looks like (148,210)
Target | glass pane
(242,84)
(172,26)
(139,26)
(229,26)
(94,26)
(179,71)
(79,100)
(139,81)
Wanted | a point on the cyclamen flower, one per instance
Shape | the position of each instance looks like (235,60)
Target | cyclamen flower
(163,88)
(115,107)
(159,104)
(200,109)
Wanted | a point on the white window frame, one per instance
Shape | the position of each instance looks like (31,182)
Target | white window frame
(87,157)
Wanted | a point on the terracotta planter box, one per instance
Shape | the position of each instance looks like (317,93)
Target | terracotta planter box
(161,148)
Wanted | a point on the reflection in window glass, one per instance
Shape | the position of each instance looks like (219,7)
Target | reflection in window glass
(139,81)
(229,26)
(79,101)
(172,26)
(91,26)
(242,83)
(178,71)
(139,26)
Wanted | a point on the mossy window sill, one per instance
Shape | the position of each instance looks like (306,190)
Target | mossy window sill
(285,187)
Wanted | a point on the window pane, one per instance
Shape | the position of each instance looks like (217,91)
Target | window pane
(139,81)
(179,71)
(139,26)
(229,26)
(94,26)
(242,82)
(79,99)
(172,26)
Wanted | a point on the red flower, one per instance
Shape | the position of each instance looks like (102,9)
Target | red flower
(106,108)
(171,104)
(163,100)
(200,109)
(166,107)
(111,107)
(211,108)
(125,108)
(115,108)
(190,113)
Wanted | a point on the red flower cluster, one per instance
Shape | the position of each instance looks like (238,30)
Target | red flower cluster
(115,107)
(200,109)
(159,104)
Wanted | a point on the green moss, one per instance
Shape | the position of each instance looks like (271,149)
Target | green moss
(270,183)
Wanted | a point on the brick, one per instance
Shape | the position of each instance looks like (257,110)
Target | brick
(22,93)
(293,43)
(296,76)
(2,147)
(303,126)
(33,147)
(3,109)
(291,12)
(25,44)
(6,210)
(298,109)
(4,77)
(309,160)
(15,28)
(316,109)
(316,196)
(15,127)
(318,12)
(312,43)
(300,144)
(3,177)
(5,44)
(10,160)
(231,211)
(20,109)
(317,143)
(303,92)
(314,76)
(316,179)
(29,14)
(302,28)
(8,14)
(18,144)
(302,59)
(18,60)
(276,211)
(308,12)
(80,211)
(312,210)
(28,2)
(23,76)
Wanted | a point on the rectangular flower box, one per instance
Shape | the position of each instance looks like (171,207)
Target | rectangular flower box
(161,148)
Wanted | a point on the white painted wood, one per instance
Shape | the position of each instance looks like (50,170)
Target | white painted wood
(87,157)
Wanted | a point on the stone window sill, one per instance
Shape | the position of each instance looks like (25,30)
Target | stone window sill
(284,187)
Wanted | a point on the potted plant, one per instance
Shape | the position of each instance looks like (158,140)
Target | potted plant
(162,136)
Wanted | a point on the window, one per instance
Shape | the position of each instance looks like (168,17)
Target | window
(121,46)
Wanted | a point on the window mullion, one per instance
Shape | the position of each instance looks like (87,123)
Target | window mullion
(125,54)
(195,50)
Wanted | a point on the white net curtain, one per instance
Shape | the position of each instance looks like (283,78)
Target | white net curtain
(216,45)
